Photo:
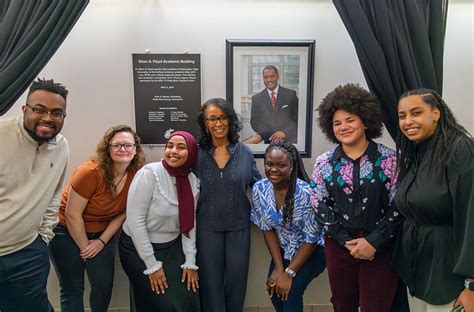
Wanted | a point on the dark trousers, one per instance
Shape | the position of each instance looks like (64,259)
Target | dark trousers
(23,278)
(315,264)
(223,260)
(70,270)
(372,284)
(176,297)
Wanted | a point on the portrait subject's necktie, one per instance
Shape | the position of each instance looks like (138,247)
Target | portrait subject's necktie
(274,99)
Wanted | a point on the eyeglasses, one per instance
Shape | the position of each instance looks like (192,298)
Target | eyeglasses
(213,120)
(117,147)
(55,115)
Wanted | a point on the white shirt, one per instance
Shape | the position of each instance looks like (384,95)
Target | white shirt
(153,215)
(275,90)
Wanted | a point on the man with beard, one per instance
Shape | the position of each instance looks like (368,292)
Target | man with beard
(33,160)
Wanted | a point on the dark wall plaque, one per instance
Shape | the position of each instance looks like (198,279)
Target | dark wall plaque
(167,90)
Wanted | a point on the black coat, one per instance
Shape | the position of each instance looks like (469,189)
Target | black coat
(434,252)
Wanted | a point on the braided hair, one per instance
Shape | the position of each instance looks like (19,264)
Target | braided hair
(297,171)
(444,139)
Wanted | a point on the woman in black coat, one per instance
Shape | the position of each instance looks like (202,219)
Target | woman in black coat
(434,254)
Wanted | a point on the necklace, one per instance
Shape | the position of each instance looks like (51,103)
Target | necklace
(116,184)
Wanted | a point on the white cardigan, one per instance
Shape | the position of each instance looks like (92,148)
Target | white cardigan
(153,215)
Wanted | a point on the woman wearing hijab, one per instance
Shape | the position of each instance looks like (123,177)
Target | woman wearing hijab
(158,243)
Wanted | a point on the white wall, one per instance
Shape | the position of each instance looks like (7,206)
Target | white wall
(94,63)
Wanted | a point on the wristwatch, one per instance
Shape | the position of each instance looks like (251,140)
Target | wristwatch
(290,272)
(469,284)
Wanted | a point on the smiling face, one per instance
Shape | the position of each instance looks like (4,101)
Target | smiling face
(270,78)
(176,151)
(43,128)
(417,119)
(278,167)
(217,122)
(123,155)
(348,128)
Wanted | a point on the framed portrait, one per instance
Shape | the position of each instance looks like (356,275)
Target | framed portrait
(270,84)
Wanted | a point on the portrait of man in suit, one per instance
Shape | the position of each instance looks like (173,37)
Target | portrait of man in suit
(274,110)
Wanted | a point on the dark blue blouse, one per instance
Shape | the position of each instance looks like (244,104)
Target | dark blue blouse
(223,204)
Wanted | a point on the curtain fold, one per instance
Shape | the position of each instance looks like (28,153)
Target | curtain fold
(30,33)
(400,46)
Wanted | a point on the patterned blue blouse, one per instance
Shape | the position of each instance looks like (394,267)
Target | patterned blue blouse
(303,229)
(354,196)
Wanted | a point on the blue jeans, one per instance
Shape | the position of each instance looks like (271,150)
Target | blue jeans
(70,270)
(23,278)
(315,264)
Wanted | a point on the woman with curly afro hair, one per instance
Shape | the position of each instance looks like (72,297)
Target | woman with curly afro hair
(353,188)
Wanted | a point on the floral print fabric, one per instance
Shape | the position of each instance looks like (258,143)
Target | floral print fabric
(303,227)
(355,196)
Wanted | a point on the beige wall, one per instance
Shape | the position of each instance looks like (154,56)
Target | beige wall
(95,64)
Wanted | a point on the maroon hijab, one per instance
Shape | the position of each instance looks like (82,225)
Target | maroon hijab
(183,187)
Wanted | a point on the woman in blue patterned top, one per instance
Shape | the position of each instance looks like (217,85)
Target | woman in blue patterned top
(282,210)
(354,186)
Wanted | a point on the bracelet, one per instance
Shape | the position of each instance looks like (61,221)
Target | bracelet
(102,241)
(290,272)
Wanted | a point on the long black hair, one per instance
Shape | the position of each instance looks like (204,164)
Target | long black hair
(446,135)
(204,138)
(297,171)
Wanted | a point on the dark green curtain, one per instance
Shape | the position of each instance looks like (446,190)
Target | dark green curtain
(400,45)
(30,33)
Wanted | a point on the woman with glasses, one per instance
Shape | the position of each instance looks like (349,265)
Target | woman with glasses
(92,211)
(226,169)
(158,242)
